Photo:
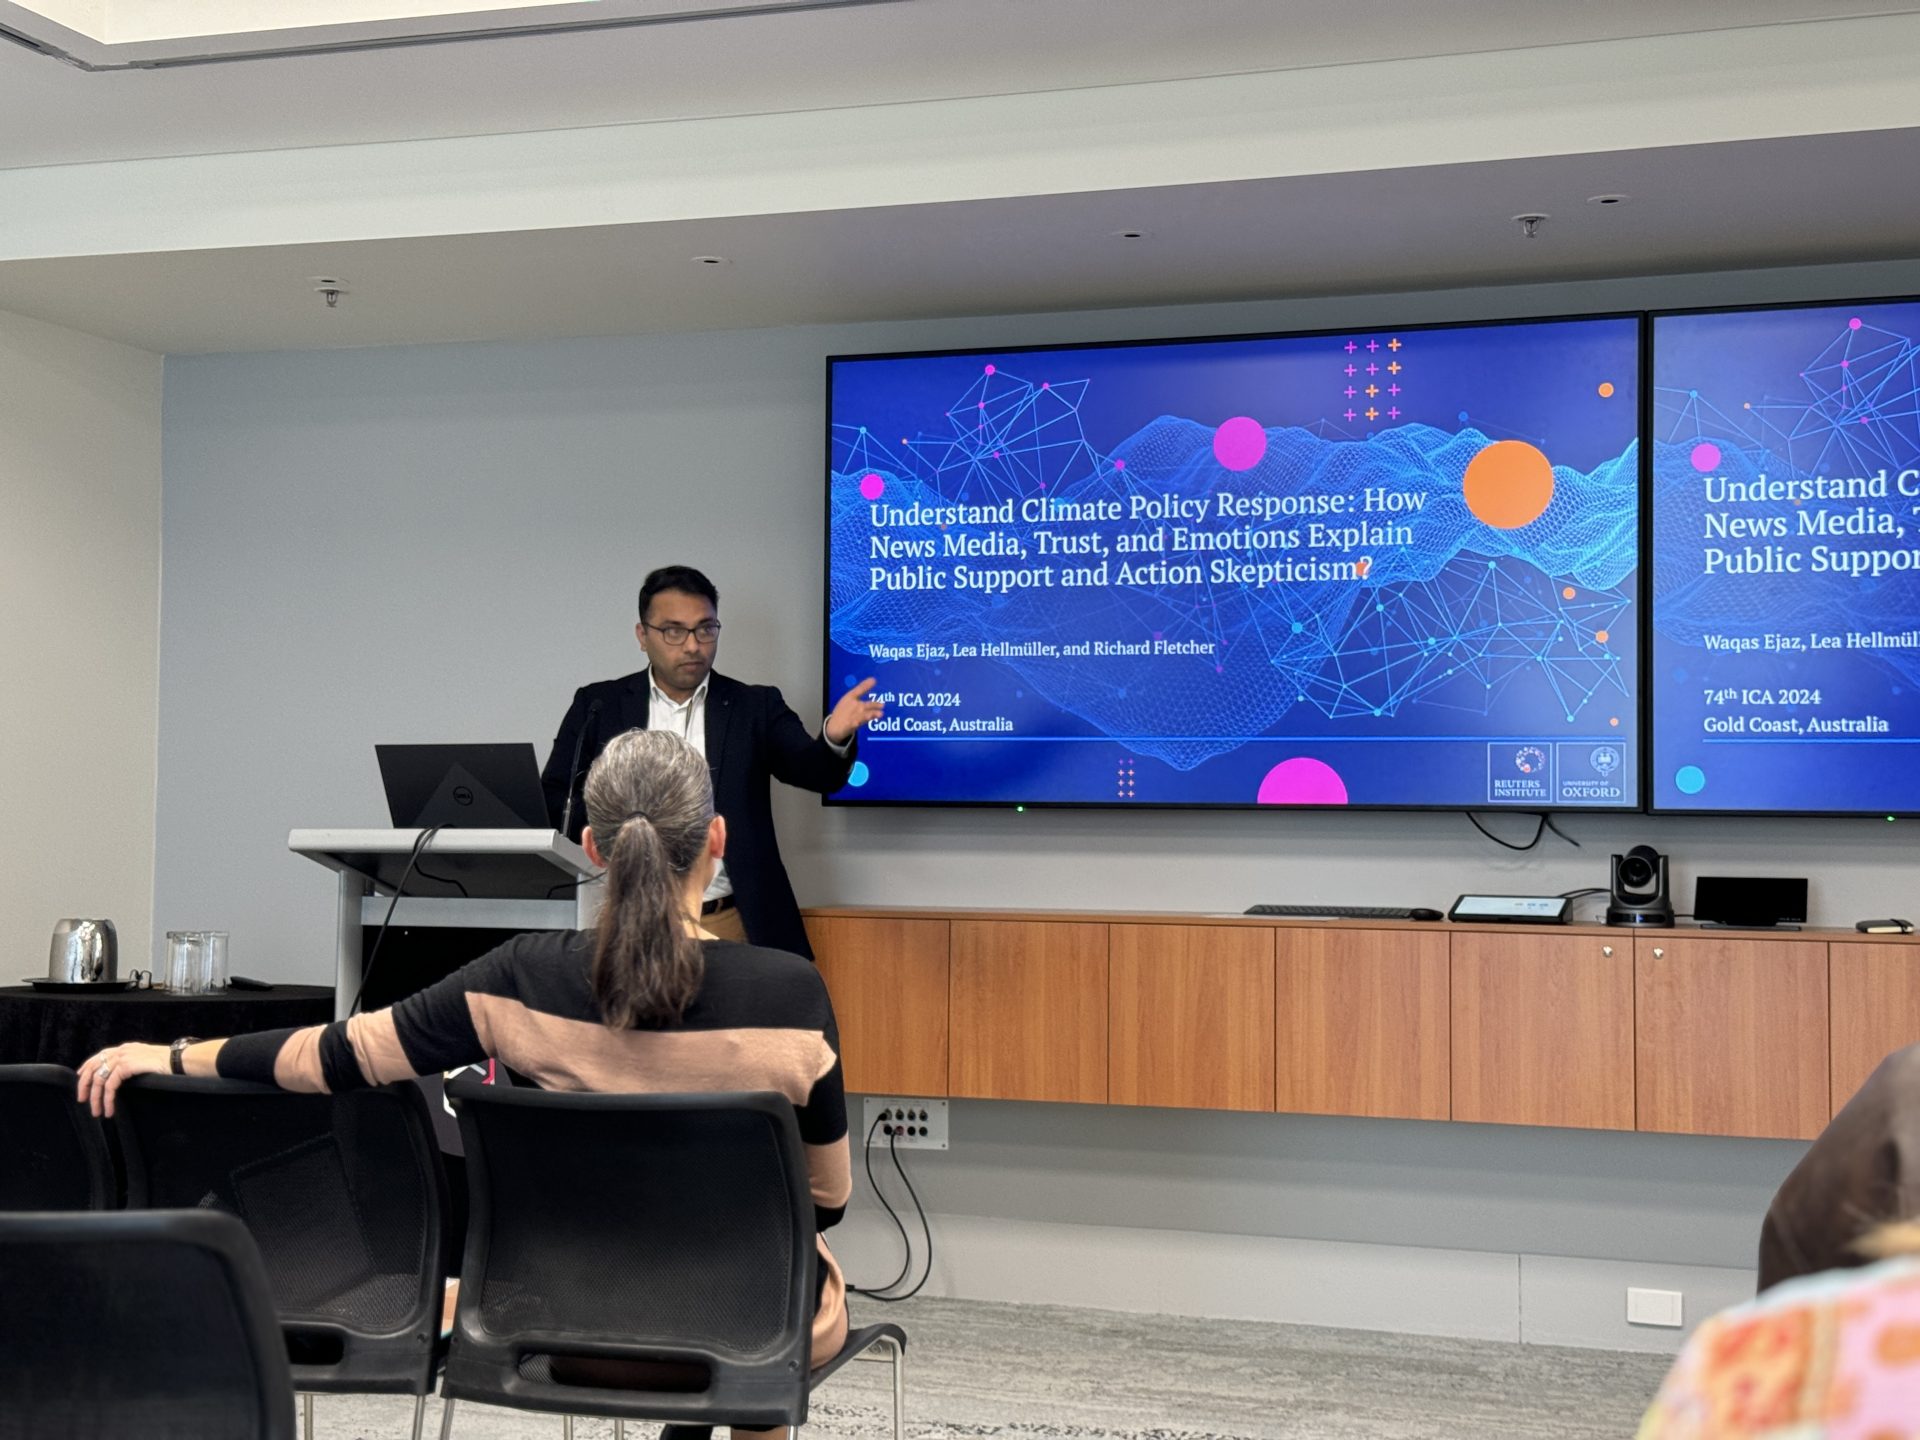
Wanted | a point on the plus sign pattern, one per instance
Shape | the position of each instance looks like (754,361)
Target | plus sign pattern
(1373,373)
(1448,622)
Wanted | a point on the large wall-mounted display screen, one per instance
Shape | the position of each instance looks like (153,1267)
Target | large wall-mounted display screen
(1379,567)
(1785,667)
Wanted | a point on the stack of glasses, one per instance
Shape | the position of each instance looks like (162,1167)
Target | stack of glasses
(196,962)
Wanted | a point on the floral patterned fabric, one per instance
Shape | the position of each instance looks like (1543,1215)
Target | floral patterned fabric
(1834,1356)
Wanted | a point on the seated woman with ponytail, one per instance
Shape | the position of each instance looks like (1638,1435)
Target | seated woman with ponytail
(648,1002)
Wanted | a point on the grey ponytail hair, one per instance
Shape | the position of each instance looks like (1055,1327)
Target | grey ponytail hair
(649,802)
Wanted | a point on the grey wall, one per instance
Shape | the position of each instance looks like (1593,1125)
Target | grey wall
(441,543)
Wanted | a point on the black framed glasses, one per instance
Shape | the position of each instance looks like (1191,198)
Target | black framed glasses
(706,632)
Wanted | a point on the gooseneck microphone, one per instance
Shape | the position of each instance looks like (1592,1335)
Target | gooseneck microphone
(573,770)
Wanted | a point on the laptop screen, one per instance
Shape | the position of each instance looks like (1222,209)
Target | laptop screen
(465,787)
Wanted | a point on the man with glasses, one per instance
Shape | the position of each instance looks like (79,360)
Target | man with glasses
(747,733)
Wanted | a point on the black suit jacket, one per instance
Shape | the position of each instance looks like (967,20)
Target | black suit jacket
(752,736)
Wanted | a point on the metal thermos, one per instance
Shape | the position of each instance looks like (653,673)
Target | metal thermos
(85,952)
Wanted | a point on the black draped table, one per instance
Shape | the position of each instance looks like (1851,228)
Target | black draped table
(64,1029)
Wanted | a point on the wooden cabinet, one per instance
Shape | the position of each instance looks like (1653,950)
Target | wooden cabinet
(1874,992)
(1029,1004)
(1691,1032)
(888,980)
(1191,1017)
(1362,1022)
(1542,1029)
(1732,1035)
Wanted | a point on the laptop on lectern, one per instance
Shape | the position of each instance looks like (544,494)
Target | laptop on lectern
(463,787)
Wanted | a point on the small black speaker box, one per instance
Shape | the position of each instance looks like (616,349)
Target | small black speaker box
(1749,901)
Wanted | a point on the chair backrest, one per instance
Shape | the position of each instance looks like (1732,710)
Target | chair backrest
(53,1153)
(343,1194)
(156,1324)
(635,1228)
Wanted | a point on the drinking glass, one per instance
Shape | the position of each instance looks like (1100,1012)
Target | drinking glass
(196,961)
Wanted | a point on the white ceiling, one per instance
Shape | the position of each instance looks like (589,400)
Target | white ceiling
(855,55)
(1769,201)
(1691,208)
(119,34)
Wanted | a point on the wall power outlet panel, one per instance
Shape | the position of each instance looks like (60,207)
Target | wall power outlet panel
(905,1122)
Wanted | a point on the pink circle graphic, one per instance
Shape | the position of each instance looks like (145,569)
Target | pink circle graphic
(1854,323)
(989,369)
(1706,455)
(1303,781)
(1239,443)
(872,486)
(1119,464)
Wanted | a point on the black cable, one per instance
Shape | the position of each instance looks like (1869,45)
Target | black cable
(1588,890)
(925,1228)
(446,880)
(906,1242)
(1542,823)
(554,890)
(1538,830)
(413,858)
(1547,819)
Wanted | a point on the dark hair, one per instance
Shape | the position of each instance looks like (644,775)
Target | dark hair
(684,578)
(649,803)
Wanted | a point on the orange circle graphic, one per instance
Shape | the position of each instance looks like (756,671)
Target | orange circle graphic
(1509,484)
(1601,636)
(1606,389)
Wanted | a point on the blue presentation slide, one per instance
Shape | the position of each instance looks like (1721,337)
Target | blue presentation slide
(1392,567)
(1786,568)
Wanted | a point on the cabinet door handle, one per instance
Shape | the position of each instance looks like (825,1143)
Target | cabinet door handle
(1658,953)
(1607,950)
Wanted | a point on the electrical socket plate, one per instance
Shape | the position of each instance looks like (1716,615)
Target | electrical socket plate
(925,1126)
(1654,1307)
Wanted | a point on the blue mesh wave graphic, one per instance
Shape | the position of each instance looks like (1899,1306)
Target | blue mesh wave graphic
(1461,616)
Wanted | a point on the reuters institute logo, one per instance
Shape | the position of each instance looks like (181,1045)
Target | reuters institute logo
(1530,760)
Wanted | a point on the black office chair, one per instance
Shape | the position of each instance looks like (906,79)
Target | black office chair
(666,1233)
(53,1153)
(346,1199)
(156,1324)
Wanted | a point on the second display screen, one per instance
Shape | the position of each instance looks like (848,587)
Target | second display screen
(1786,561)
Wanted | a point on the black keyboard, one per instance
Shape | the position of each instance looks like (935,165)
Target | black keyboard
(1334,912)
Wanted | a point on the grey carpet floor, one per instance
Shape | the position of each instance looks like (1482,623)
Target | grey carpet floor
(980,1371)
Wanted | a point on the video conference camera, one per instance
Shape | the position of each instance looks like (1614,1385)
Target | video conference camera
(1639,895)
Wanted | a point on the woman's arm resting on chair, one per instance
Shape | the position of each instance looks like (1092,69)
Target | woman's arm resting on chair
(100,1077)
(428,1032)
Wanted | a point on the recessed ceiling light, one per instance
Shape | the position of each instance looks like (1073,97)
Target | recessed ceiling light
(1130,234)
(711,260)
(1530,222)
(1606,199)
